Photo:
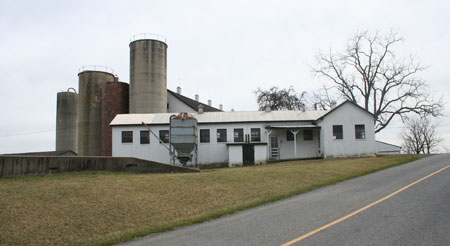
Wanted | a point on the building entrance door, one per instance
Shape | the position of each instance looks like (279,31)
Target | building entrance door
(274,149)
(248,151)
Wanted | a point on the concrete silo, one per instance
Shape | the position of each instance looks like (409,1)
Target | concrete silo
(114,101)
(148,74)
(67,120)
(91,83)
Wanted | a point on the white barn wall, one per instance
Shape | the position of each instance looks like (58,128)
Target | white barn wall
(153,151)
(347,115)
(176,106)
(260,154)
(235,155)
(208,153)
(216,152)
(213,152)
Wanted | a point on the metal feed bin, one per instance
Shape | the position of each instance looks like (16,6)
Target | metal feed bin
(183,138)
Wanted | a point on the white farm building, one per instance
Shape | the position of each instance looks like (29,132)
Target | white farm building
(244,138)
(105,119)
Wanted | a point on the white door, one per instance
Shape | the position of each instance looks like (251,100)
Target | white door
(274,149)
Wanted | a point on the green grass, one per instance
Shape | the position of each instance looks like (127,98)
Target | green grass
(101,208)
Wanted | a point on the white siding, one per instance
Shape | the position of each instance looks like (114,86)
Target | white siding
(208,153)
(347,115)
(153,151)
(235,155)
(177,106)
(217,152)
(260,154)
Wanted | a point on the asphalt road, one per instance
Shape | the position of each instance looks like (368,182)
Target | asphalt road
(418,215)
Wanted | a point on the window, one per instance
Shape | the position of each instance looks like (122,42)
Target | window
(289,135)
(145,137)
(307,134)
(337,132)
(360,132)
(127,136)
(256,134)
(239,135)
(164,136)
(204,135)
(221,135)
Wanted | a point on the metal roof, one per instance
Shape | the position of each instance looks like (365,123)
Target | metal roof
(192,103)
(221,117)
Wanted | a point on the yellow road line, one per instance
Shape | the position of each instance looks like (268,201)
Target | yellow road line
(361,209)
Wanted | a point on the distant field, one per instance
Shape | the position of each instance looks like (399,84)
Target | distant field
(100,208)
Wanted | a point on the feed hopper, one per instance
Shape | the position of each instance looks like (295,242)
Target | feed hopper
(183,138)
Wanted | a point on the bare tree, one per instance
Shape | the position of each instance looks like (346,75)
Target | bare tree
(280,99)
(322,99)
(369,74)
(419,136)
(413,142)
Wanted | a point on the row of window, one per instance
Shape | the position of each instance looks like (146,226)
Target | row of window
(238,133)
(127,136)
(255,136)
(338,132)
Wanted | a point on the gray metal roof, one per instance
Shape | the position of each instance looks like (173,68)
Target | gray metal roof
(192,103)
(221,117)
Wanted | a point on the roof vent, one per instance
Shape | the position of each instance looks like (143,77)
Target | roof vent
(200,109)
(209,103)
(221,107)
(179,90)
(197,97)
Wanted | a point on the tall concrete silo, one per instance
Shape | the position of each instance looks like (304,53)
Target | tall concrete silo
(67,120)
(148,74)
(114,101)
(91,83)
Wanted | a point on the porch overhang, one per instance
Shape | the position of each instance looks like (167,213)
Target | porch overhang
(293,127)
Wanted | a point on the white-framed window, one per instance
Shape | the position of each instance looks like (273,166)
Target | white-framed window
(255,134)
(164,135)
(221,135)
(239,135)
(145,137)
(360,132)
(338,132)
(127,136)
(204,135)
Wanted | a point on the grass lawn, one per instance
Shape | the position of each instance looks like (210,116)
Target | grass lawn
(101,208)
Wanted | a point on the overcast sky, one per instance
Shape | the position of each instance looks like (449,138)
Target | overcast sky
(222,50)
